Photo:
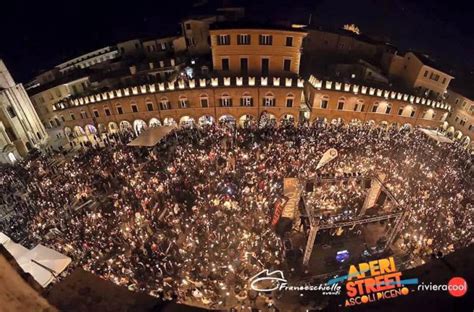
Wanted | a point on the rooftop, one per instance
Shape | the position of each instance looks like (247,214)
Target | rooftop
(253,25)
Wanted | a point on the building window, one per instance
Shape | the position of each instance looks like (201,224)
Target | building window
(375,107)
(265,66)
(134,108)
(119,110)
(188,26)
(434,77)
(265,39)
(444,80)
(388,109)
(289,41)
(225,64)
(400,111)
(246,100)
(149,106)
(243,39)
(107,112)
(164,103)
(426,74)
(340,105)
(286,65)
(73,117)
(223,39)
(225,100)
(183,102)
(289,100)
(324,102)
(96,114)
(269,100)
(244,64)
(63,119)
(204,100)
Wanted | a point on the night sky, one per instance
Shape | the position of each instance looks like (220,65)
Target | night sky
(36,35)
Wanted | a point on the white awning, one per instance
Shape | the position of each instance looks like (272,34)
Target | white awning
(437,136)
(3,238)
(151,136)
(49,258)
(16,250)
(43,263)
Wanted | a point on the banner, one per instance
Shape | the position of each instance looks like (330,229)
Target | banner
(329,155)
(291,191)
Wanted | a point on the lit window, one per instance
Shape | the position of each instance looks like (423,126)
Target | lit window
(225,100)
(265,39)
(183,102)
(269,100)
(204,100)
(223,39)
(243,39)
(246,100)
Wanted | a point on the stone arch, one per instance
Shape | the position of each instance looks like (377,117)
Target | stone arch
(67,131)
(227,119)
(169,121)
(139,125)
(267,120)
(78,131)
(287,119)
(206,120)
(246,120)
(186,121)
(113,126)
(154,122)
(125,125)
(102,128)
(450,132)
(466,141)
(91,129)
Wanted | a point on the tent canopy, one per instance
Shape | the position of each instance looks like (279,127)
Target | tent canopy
(151,136)
(435,135)
(43,263)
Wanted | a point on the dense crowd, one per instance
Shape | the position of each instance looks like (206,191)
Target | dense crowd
(190,218)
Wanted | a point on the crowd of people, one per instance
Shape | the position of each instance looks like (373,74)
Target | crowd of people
(190,219)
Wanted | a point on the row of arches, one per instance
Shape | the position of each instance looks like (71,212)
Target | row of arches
(139,125)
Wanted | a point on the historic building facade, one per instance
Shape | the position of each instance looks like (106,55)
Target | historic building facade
(461,119)
(255,77)
(348,103)
(256,52)
(239,100)
(20,127)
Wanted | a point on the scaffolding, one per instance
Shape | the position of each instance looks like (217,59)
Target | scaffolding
(377,186)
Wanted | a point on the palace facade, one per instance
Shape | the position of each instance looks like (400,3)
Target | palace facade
(253,75)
